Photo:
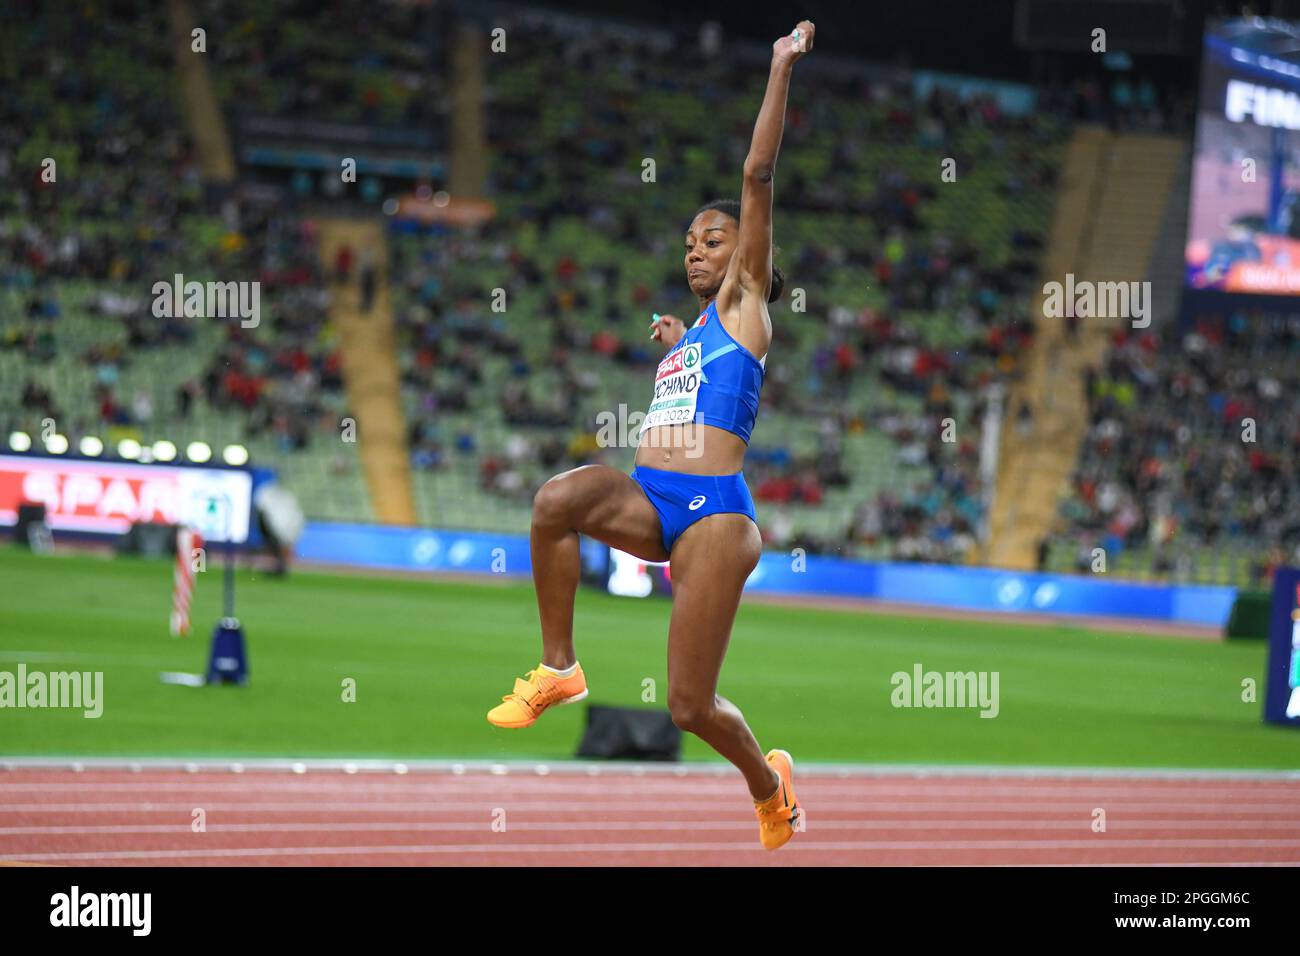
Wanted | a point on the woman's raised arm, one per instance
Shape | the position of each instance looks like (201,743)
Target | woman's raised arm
(754,250)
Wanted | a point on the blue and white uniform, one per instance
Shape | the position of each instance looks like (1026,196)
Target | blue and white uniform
(711,379)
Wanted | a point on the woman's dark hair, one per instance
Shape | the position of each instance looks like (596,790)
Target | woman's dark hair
(731,207)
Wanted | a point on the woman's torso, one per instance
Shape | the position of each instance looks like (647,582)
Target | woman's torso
(719,410)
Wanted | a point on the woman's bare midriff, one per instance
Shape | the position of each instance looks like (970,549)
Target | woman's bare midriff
(692,449)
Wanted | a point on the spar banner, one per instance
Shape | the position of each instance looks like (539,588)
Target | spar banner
(108,497)
(1244,215)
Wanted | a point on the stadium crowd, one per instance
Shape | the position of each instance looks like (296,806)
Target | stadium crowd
(1191,449)
(908,322)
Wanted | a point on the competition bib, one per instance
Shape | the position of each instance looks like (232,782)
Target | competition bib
(677,388)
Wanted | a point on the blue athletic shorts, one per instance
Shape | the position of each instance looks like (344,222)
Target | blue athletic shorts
(681,500)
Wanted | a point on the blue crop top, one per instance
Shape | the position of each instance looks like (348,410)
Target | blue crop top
(708,378)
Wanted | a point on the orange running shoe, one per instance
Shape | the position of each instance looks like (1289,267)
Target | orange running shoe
(778,815)
(535,692)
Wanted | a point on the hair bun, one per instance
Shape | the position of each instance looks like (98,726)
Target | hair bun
(778,283)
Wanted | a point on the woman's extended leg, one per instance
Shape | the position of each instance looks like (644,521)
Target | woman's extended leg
(711,561)
(598,501)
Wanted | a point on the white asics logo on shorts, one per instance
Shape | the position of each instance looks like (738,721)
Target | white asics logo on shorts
(696,503)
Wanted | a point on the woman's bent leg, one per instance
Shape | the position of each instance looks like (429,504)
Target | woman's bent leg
(602,503)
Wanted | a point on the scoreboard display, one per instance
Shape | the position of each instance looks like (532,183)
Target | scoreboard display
(1244,214)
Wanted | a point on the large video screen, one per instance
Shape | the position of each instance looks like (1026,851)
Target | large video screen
(108,497)
(1244,219)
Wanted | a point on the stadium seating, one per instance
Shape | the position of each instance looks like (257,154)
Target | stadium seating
(909,286)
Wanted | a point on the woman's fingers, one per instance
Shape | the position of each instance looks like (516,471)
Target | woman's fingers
(662,322)
(800,40)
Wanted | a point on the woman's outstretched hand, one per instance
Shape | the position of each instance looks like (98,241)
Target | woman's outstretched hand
(795,44)
(668,329)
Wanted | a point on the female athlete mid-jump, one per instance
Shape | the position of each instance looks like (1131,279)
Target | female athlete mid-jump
(686,499)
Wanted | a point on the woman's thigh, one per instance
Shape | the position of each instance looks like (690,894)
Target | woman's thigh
(603,503)
(710,563)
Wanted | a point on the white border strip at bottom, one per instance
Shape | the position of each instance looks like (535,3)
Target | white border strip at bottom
(610,768)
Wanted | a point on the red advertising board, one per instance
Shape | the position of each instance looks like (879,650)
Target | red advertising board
(108,497)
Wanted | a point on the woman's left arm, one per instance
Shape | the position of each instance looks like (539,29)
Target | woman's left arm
(754,249)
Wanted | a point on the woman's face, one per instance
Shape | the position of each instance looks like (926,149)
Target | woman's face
(709,245)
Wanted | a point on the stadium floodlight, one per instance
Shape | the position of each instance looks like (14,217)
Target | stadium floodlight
(56,444)
(235,455)
(128,448)
(91,446)
(20,441)
(198,451)
(164,450)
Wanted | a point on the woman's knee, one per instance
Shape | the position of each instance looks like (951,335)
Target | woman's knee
(690,712)
(553,503)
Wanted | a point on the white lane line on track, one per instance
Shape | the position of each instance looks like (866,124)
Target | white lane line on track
(1114,826)
(542,785)
(1115,806)
(620,769)
(805,847)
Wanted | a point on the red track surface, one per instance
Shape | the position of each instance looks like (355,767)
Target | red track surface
(440,818)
